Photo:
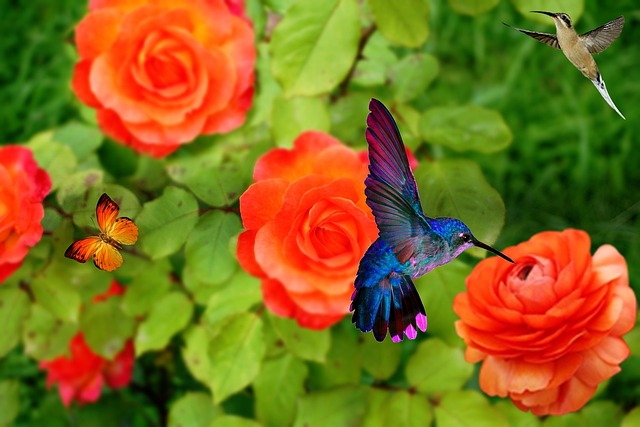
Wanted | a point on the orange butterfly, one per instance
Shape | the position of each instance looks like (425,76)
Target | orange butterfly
(114,232)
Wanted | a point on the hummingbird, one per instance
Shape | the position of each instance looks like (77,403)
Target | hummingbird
(409,243)
(579,48)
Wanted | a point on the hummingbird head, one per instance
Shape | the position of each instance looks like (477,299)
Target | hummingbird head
(459,237)
(559,18)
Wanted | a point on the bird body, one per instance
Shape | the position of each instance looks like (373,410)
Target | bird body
(579,48)
(409,244)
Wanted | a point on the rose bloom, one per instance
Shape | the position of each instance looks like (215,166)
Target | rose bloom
(161,72)
(81,375)
(549,327)
(23,187)
(307,226)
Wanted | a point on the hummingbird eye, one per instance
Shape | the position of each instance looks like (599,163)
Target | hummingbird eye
(465,237)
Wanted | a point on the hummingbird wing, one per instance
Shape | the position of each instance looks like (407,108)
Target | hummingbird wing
(391,190)
(545,38)
(601,38)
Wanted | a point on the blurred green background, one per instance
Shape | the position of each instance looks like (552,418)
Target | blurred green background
(573,161)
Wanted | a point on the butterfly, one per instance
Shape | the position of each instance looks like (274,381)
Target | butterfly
(114,232)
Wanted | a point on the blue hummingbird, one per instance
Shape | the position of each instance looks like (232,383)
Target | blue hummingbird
(409,244)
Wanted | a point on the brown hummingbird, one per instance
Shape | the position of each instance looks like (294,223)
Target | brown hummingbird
(579,48)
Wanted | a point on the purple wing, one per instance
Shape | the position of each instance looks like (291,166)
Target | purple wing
(391,190)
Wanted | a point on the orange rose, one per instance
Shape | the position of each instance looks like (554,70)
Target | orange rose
(549,327)
(23,187)
(307,228)
(162,72)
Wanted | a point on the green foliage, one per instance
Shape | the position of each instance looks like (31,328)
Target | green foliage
(506,133)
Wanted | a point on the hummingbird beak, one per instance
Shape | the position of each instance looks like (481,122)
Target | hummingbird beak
(495,251)
(551,14)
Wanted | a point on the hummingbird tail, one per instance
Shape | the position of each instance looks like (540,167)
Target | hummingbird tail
(392,304)
(602,88)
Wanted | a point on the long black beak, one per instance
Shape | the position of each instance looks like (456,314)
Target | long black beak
(495,251)
(551,14)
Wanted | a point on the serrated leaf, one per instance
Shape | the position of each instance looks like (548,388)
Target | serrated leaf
(56,158)
(436,367)
(458,188)
(314,46)
(438,290)
(404,22)
(516,417)
(165,223)
(82,139)
(344,406)
(474,7)
(397,408)
(412,75)
(290,117)
(573,8)
(207,250)
(380,359)
(287,375)
(305,343)
(344,361)
(240,293)
(467,409)
(194,409)
(168,316)
(106,328)
(44,336)
(14,309)
(236,355)
(9,402)
(196,352)
(466,128)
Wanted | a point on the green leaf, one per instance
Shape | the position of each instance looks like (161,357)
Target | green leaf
(237,296)
(167,317)
(573,8)
(347,111)
(515,417)
(45,337)
(290,117)
(567,420)
(83,207)
(474,7)
(150,284)
(381,359)
(305,343)
(404,22)
(269,89)
(601,413)
(195,352)
(436,367)
(106,328)
(82,139)
(73,191)
(378,57)
(467,409)
(207,249)
(287,375)
(412,75)
(336,408)
(218,187)
(165,223)
(236,355)
(57,295)
(194,409)
(438,290)
(632,419)
(344,362)
(315,45)
(466,128)
(9,402)
(14,309)
(234,421)
(458,188)
(397,408)
(57,159)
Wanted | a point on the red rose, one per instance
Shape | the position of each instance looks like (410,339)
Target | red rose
(307,228)
(23,187)
(80,376)
(549,327)
(160,73)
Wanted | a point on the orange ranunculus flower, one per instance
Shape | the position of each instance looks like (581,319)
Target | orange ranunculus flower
(549,327)
(162,72)
(23,187)
(307,226)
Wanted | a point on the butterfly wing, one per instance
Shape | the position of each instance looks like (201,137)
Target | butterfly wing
(391,190)
(106,212)
(83,249)
(123,231)
(107,257)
